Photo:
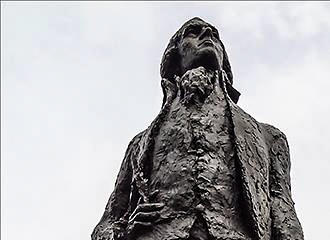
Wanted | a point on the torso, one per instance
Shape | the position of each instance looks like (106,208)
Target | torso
(194,166)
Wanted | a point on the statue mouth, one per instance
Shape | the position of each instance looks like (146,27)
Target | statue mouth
(207,42)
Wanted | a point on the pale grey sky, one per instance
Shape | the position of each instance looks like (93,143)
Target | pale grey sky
(80,79)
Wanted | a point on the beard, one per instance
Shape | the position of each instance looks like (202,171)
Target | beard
(196,85)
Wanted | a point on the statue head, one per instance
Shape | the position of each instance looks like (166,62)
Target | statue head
(196,43)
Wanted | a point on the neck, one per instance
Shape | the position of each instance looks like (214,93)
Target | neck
(196,85)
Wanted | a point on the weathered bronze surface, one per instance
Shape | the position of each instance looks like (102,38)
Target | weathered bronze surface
(204,169)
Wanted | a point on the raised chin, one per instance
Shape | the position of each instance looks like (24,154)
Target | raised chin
(208,58)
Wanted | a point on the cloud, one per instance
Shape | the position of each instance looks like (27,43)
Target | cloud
(81,79)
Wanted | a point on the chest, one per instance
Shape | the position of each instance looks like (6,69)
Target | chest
(205,128)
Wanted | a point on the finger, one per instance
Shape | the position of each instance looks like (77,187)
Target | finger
(148,207)
(140,200)
(145,217)
(141,224)
(153,193)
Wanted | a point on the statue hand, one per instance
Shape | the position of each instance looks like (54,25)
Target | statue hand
(143,217)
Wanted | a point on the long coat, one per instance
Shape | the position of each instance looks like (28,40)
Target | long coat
(264,161)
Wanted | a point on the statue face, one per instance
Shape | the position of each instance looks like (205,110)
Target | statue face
(200,46)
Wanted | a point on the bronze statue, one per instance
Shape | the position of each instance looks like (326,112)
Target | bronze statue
(204,169)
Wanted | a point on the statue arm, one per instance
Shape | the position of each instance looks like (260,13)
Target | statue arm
(285,224)
(114,220)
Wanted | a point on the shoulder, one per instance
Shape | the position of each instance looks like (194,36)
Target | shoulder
(277,143)
(137,138)
(133,144)
(272,133)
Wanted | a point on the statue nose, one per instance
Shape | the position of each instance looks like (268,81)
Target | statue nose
(206,32)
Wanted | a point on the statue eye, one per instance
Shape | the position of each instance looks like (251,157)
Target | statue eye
(193,30)
(216,34)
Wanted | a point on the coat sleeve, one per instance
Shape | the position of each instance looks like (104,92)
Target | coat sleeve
(285,224)
(114,220)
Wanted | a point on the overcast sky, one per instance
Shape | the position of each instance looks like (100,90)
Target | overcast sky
(81,79)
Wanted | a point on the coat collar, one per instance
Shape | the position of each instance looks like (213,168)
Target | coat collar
(253,162)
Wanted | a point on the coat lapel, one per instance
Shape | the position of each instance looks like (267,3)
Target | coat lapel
(142,162)
(253,161)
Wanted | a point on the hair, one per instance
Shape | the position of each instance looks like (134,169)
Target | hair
(170,64)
